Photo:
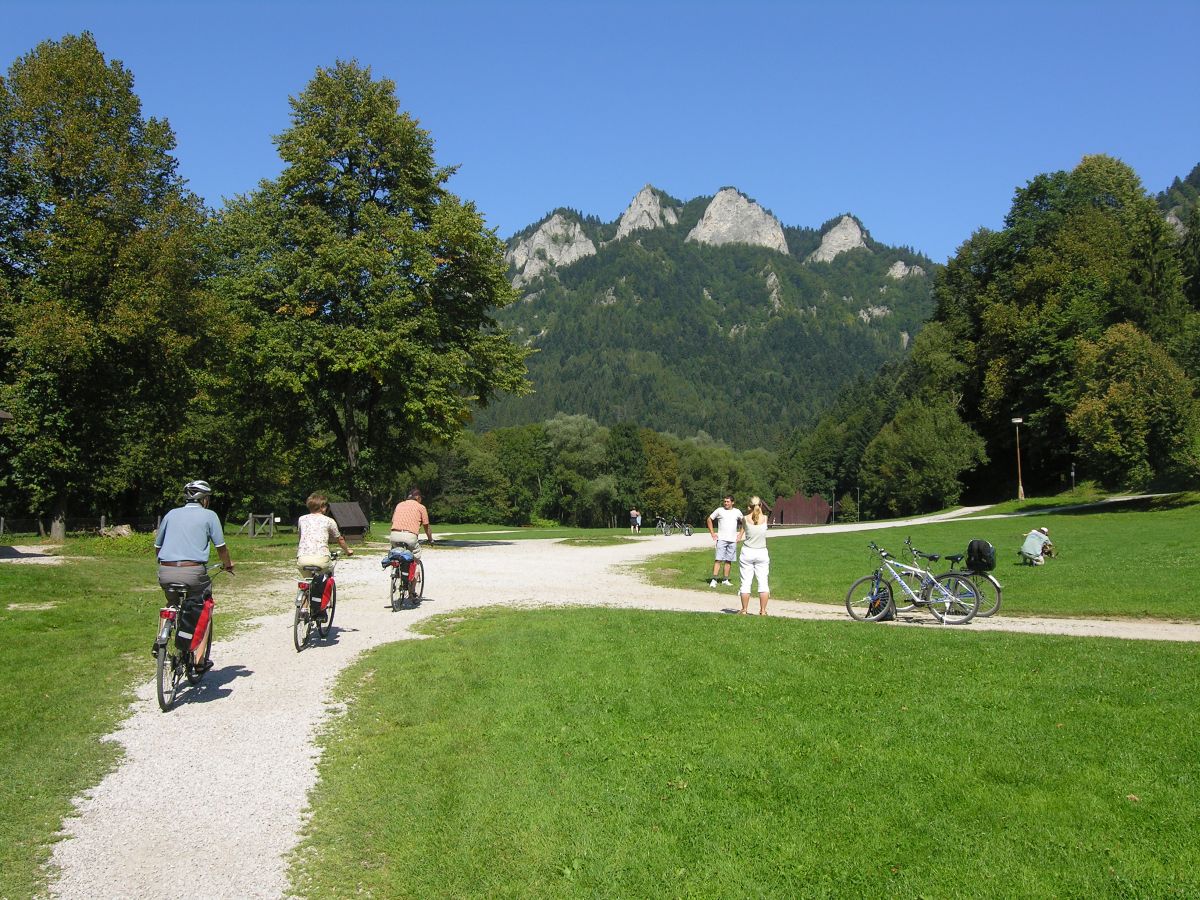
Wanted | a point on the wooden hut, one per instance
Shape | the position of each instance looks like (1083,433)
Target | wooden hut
(351,521)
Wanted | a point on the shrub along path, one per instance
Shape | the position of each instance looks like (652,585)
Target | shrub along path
(213,793)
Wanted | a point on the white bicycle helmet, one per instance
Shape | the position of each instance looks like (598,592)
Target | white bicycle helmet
(196,490)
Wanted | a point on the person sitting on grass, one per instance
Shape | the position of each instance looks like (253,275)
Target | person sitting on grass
(1037,547)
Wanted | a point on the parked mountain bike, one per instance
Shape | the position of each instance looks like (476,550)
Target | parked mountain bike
(897,587)
(986,585)
(408,577)
(184,642)
(315,613)
(676,525)
(663,526)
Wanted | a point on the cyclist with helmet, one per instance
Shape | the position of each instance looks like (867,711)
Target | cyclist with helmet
(183,540)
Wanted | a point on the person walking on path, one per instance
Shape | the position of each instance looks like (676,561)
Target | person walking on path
(728,520)
(409,517)
(755,561)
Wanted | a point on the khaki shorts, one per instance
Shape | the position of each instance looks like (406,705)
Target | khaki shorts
(408,540)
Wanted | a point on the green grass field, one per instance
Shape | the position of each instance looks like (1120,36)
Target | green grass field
(1129,559)
(66,677)
(624,753)
(586,753)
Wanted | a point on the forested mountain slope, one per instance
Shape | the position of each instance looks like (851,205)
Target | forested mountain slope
(707,315)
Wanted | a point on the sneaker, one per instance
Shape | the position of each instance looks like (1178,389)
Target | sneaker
(726,583)
(713,583)
(320,616)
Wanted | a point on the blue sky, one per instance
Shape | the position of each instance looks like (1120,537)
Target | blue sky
(921,118)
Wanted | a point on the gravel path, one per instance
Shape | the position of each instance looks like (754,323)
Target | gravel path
(242,744)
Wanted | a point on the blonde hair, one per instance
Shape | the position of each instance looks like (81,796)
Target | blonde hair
(756,511)
(315,502)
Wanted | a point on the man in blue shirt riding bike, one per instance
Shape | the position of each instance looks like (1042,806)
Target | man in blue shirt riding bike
(183,539)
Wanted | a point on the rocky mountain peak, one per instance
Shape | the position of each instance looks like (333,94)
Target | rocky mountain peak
(733,219)
(559,241)
(901,269)
(845,235)
(646,211)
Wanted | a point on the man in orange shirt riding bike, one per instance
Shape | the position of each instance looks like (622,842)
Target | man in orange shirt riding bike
(409,517)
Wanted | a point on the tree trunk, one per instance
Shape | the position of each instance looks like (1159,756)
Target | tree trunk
(58,527)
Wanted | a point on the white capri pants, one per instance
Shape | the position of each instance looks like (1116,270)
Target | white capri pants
(755,563)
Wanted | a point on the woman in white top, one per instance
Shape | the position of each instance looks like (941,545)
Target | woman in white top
(755,561)
(316,530)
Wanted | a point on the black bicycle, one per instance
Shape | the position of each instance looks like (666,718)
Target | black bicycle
(183,646)
(315,614)
(408,577)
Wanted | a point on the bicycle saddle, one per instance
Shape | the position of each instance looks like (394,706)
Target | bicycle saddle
(956,558)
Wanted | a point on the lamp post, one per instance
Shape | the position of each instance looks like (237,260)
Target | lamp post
(1020,487)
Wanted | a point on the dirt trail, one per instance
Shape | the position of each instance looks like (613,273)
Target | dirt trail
(237,758)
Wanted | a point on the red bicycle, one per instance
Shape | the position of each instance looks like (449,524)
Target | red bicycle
(184,640)
(315,613)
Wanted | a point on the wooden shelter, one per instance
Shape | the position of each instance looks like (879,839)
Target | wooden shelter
(801,510)
(351,521)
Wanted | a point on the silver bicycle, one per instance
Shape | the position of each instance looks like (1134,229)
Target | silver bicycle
(898,587)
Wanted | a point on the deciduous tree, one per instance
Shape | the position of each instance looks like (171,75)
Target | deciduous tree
(370,287)
(100,256)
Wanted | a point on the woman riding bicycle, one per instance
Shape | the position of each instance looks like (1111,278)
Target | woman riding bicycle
(316,530)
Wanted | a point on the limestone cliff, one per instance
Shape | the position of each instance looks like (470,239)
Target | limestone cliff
(900,269)
(559,241)
(646,211)
(844,236)
(732,219)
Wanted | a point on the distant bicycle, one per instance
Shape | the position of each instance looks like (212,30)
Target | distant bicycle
(681,526)
(184,642)
(408,577)
(315,613)
(663,526)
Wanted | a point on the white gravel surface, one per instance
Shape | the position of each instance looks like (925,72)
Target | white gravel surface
(224,776)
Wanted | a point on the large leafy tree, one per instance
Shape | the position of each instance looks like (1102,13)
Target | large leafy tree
(100,255)
(369,286)
(915,462)
(1136,416)
(1081,251)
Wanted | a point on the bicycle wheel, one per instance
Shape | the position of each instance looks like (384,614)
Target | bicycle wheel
(195,667)
(416,585)
(301,621)
(900,598)
(397,595)
(170,672)
(953,599)
(869,599)
(323,628)
(687,531)
(988,589)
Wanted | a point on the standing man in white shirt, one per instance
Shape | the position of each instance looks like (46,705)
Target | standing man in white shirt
(728,520)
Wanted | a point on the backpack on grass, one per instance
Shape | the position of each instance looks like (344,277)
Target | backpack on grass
(981,556)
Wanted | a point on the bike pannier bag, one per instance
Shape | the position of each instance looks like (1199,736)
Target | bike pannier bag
(981,556)
(189,618)
(201,633)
